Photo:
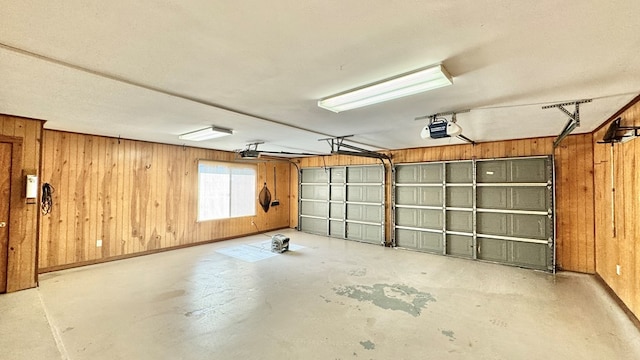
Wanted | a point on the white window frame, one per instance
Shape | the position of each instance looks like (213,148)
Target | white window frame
(246,192)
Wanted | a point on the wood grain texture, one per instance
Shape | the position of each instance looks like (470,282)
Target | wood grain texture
(616,168)
(6,160)
(25,134)
(136,197)
(575,192)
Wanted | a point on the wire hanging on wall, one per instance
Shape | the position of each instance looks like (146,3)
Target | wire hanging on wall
(47,199)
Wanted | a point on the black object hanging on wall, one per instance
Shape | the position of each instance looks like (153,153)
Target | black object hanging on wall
(265,195)
(265,198)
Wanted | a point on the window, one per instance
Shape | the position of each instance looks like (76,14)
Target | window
(225,190)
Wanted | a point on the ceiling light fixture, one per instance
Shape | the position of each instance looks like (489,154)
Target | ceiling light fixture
(414,82)
(206,134)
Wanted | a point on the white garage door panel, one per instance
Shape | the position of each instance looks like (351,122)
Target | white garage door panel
(365,193)
(314,192)
(314,226)
(419,240)
(364,232)
(313,208)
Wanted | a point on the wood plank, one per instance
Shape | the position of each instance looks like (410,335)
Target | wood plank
(66,221)
(154,241)
(581,198)
(90,194)
(16,223)
(635,248)
(119,236)
(110,183)
(99,201)
(31,162)
(161,225)
(127,246)
(572,241)
(589,220)
(76,189)
(6,159)
(45,222)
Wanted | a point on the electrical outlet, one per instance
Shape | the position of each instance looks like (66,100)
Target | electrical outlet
(618,269)
(252,223)
(99,243)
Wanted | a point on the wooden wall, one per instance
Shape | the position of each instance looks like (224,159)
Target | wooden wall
(616,167)
(574,185)
(23,226)
(137,197)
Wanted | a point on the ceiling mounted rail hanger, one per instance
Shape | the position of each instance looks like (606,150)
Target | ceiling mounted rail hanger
(439,127)
(338,148)
(251,152)
(574,118)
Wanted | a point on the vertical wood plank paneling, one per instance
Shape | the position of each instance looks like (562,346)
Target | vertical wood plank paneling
(66,223)
(76,183)
(23,227)
(627,258)
(86,183)
(102,201)
(171,197)
(127,200)
(119,235)
(589,206)
(562,228)
(57,210)
(19,227)
(161,168)
(107,185)
(635,244)
(154,238)
(136,196)
(571,211)
(45,222)
(581,203)
(622,247)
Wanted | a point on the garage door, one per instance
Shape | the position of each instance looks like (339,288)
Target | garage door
(345,202)
(493,210)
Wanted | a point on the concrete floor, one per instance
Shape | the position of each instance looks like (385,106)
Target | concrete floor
(328,299)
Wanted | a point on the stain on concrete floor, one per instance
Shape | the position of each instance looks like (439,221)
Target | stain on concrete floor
(392,297)
(368,345)
(449,334)
(358,272)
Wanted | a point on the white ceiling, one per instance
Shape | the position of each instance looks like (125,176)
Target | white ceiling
(151,70)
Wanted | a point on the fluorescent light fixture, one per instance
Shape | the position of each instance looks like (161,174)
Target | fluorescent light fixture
(414,82)
(206,134)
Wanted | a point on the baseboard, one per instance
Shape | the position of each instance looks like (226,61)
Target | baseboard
(616,298)
(147,252)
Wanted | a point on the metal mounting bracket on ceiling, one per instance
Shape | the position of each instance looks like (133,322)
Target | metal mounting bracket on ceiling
(574,118)
(337,148)
(435,117)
